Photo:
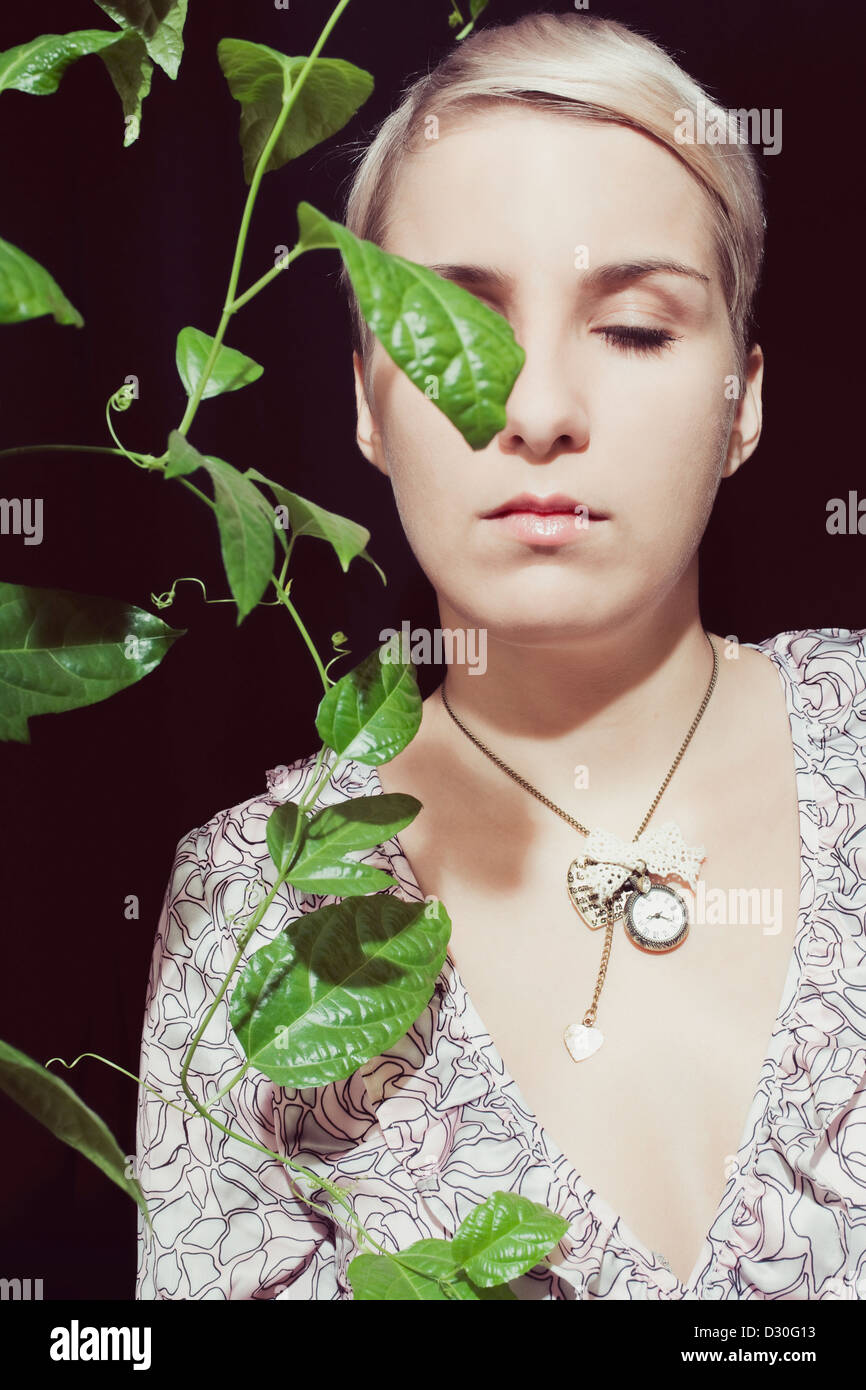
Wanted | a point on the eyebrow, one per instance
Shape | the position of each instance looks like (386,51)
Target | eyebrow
(607,278)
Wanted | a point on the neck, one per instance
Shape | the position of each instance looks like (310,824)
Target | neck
(617,703)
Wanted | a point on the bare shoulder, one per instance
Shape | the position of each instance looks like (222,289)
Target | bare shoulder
(753,686)
(423,762)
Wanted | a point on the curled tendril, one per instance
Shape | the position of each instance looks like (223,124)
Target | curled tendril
(254,893)
(338,641)
(167,599)
(122,399)
(131,1074)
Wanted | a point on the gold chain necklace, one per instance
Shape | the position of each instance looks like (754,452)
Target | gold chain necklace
(614,879)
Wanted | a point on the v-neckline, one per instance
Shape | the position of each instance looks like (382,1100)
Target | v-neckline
(481,1037)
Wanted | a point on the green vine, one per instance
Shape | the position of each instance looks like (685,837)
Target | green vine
(369,714)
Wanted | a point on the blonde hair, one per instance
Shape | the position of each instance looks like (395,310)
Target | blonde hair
(593,69)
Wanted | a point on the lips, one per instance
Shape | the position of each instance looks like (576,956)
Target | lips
(555,503)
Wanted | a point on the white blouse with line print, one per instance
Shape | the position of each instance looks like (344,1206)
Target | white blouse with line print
(425,1131)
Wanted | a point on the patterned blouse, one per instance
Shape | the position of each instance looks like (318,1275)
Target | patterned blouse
(428,1129)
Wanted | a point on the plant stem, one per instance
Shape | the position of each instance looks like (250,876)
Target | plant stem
(254,921)
(246,934)
(230,307)
(313,792)
(284,598)
(198,492)
(285,262)
(261,166)
(284,571)
(65,449)
(228,1086)
(111,431)
(315,1178)
(124,1072)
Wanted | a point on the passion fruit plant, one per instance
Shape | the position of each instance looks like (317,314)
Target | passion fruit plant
(61,650)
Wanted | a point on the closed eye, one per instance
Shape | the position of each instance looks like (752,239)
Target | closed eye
(625,337)
(629,337)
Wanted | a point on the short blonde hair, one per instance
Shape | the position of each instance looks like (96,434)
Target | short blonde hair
(587,67)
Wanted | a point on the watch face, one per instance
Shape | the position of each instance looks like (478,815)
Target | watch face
(658,919)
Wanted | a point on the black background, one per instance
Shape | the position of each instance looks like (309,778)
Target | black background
(141,241)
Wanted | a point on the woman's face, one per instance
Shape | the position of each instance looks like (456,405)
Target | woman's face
(625,402)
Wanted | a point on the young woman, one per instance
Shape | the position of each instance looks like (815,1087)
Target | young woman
(681,1074)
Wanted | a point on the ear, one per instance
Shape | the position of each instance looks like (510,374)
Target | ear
(746,427)
(368,436)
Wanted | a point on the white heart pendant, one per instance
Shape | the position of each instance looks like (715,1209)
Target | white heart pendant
(582,1041)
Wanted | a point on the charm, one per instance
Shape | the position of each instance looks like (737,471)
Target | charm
(587,901)
(656,917)
(604,874)
(582,1041)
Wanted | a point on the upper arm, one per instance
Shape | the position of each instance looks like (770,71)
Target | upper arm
(226,1223)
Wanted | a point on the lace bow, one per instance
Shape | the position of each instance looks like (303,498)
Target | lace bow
(607,861)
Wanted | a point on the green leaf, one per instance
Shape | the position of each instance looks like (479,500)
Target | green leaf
(244,519)
(504,1237)
(372,712)
(355,824)
(27,290)
(475,9)
(344,879)
(246,534)
(362,822)
(183,457)
(464,1288)
(231,370)
(54,1104)
(262,78)
(280,832)
(131,71)
(384,1278)
(320,866)
(38,66)
(160,24)
(339,986)
(316,231)
(61,650)
(455,349)
(348,538)
(380,1278)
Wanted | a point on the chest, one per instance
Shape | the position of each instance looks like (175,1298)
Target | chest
(652,1122)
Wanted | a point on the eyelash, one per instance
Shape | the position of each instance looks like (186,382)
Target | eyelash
(628,337)
(643,341)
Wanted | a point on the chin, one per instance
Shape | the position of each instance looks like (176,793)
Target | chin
(526,625)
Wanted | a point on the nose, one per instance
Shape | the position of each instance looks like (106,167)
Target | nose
(547,412)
